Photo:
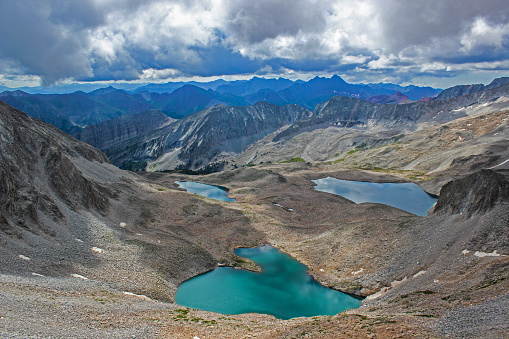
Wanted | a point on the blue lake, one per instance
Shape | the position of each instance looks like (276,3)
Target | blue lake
(283,289)
(406,196)
(208,191)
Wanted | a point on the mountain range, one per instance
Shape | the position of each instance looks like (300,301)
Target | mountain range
(195,128)
(73,111)
(225,134)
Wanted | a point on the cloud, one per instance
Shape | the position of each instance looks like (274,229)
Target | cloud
(127,40)
(483,34)
(39,46)
(252,22)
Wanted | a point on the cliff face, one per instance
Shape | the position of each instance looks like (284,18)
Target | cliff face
(474,194)
(199,138)
(116,130)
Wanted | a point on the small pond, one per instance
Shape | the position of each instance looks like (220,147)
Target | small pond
(406,196)
(283,289)
(208,191)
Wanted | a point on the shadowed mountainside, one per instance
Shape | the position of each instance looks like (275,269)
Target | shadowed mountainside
(128,126)
(36,171)
(474,194)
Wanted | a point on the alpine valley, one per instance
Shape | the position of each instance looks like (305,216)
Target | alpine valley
(96,235)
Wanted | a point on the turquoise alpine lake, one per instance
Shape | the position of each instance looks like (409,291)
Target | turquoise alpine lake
(283,289)
(406,196)
(208,191)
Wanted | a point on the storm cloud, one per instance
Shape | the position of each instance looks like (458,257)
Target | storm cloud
(369,40)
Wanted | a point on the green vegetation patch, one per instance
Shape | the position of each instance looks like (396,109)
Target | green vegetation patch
(183,315)
(297,159)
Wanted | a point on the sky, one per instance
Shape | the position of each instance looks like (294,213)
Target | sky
(433,43)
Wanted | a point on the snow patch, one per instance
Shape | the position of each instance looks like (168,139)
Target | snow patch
(419,273)
(385,289)
(484,254)
(465,252)
(141,296)
(21,256)
(357,272)
(37,274)
(501,164)
(397,282)
(74,275)
(122,224)
(286,208)
(97,250)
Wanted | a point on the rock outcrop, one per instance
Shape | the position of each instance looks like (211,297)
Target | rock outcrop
(36,173)
(475,194)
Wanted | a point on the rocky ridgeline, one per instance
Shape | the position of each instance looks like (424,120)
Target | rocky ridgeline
(202,136)
(348,112)
(460,90)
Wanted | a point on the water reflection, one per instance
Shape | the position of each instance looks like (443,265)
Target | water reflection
(208,191)
(406,196)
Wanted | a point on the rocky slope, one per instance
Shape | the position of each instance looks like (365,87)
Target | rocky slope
(198,139)
(36,172)
(475,194)
(61,204)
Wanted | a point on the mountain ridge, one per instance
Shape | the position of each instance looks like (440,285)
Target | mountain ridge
(159,151)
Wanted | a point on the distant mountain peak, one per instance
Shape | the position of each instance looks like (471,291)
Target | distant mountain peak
(106,90)
(18,93)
